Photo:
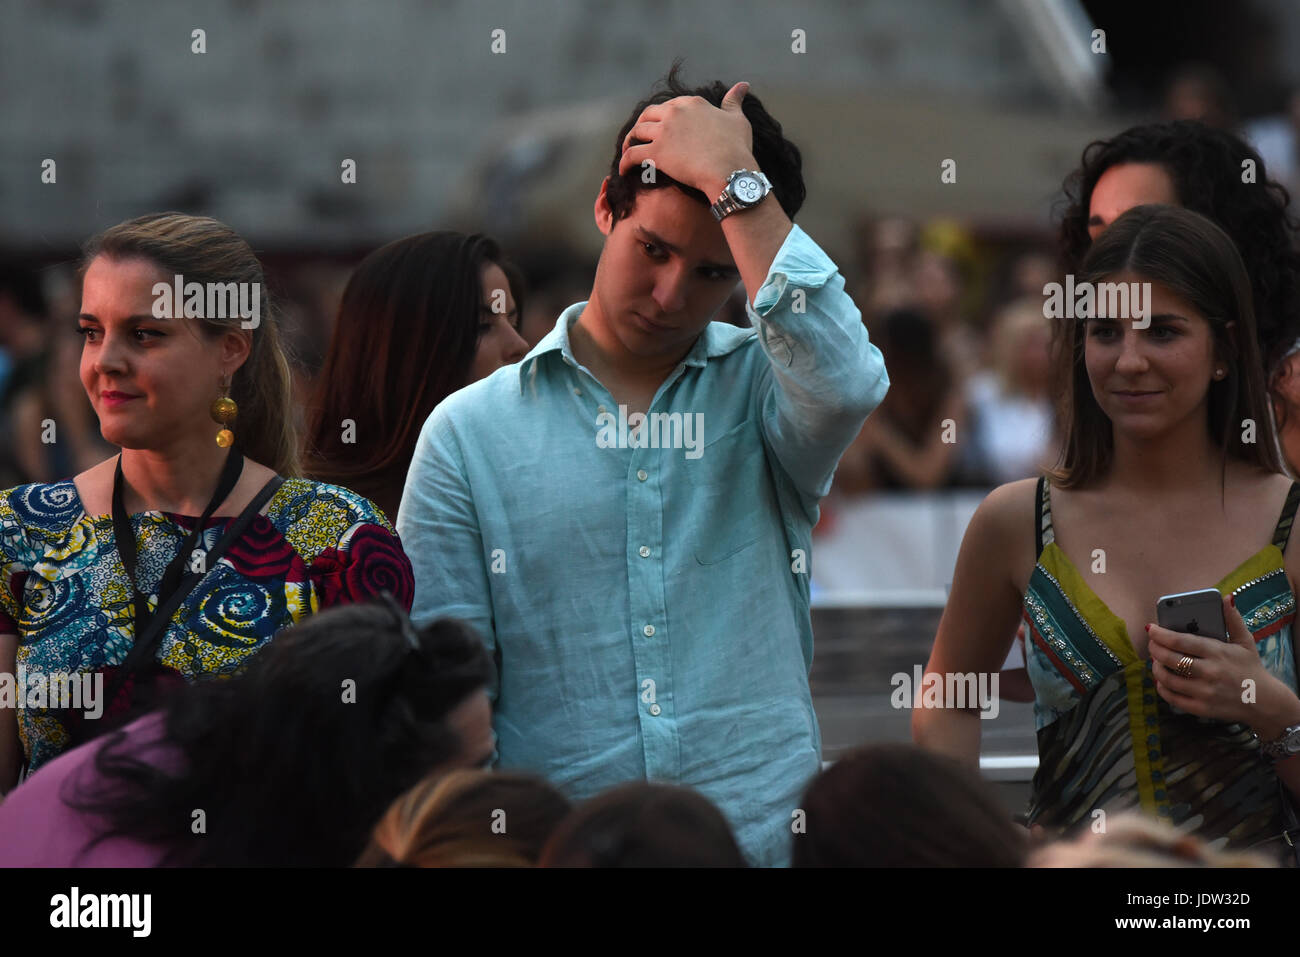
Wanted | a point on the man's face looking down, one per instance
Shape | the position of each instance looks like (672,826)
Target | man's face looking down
(664,271)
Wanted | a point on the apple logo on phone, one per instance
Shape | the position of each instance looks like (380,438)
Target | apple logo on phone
(1194,627)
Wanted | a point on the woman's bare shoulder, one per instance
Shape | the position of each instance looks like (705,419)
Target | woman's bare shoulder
(1257,494)
(1002,531)
(1274,483)
(1010,507)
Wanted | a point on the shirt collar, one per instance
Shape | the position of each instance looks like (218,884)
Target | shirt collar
(718,339)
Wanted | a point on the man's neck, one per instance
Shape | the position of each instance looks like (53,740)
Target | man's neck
(180,478)
(595,347)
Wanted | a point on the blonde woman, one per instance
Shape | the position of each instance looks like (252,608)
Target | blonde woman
(183,555)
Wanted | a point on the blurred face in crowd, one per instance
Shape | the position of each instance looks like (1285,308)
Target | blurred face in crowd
(150,381)
(1031,272)
(938,286)
(499,342)
(1021,349)
(1124,186)
(1151,380)
(664,271)
(1033,360)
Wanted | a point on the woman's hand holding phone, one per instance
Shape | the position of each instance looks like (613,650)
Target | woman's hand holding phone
(1227,681)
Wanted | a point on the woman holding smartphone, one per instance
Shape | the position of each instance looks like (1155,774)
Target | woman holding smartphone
(1169,482)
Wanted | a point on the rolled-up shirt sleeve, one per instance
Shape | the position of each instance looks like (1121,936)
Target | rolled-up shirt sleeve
(823,376)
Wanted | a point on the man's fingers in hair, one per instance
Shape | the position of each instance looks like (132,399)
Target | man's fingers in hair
(644,131)
(652,113)
(633,156)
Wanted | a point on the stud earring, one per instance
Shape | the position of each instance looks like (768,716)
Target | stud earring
(1218,373)
(223,411)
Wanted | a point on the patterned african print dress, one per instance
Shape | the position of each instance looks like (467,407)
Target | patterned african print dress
(1108,741)
(65,594)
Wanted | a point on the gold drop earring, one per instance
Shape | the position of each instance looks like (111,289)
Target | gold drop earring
(223,411)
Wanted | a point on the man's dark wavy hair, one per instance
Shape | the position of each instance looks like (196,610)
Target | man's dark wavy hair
(778,159)
(287,771)
(1205,165)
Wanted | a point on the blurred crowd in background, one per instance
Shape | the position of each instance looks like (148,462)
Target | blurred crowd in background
(956,310)
(955,307)
(960,324)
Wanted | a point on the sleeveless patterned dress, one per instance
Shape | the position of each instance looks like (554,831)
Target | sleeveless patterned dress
(1108,741)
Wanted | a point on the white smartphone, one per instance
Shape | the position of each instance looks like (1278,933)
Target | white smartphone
(1193,612)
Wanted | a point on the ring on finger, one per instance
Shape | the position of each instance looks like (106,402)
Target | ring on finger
(1184,666)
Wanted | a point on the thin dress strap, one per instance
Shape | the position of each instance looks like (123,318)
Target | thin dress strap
(1043,535)
(1283,531)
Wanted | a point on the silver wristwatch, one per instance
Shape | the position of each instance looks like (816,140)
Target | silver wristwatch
(745,189)
(1284,745)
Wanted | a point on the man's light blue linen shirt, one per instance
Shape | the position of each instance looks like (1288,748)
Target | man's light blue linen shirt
(648,608)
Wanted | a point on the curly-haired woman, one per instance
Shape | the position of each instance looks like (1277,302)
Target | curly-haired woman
(1211,172)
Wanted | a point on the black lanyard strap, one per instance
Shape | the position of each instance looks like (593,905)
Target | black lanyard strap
(149,637)
(127,547)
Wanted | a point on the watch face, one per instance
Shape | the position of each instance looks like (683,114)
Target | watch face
(1291,743)
(747,189)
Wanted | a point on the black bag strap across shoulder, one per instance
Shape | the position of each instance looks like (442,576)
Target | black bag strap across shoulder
(147,644)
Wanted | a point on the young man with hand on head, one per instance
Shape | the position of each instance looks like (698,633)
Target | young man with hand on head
(648,605)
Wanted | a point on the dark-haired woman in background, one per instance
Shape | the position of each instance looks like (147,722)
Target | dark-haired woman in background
(1211,172)
(290,763)
(118,575)
(908,442)
(1220,176)
(420,318)
(1160,488)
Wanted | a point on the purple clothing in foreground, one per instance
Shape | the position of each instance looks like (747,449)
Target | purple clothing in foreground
(38,829)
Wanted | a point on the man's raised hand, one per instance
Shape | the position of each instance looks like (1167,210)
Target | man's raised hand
(693,141)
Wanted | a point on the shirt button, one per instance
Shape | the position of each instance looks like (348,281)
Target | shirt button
(648,631)
(601,409)
(655,709)
(577,392)
(643,551)
(642,474)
